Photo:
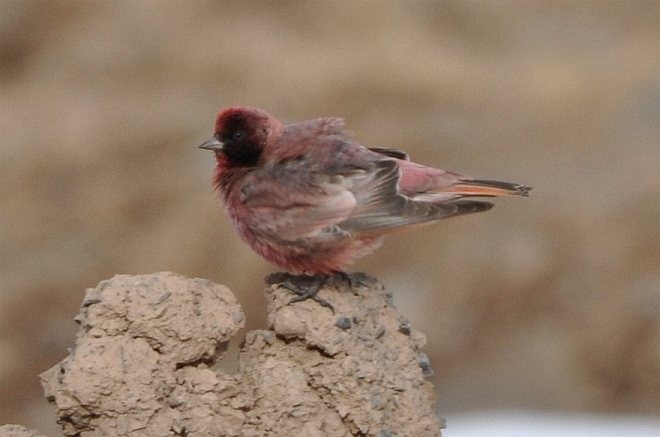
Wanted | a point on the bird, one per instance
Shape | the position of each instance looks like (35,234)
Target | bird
(310,199)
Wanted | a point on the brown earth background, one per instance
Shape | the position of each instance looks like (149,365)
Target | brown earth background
(551,302)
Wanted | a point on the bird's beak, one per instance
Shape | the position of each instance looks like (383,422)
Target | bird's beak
(212,144)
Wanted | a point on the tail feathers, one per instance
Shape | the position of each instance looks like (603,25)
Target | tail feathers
(408,213)
(477,187)
(469,206)
(419,212)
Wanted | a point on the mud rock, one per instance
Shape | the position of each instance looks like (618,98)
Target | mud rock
(138,334)
(140,365)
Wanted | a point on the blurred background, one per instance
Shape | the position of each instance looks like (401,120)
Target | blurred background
(550,303)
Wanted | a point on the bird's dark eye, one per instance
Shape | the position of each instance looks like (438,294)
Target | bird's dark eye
(238,135)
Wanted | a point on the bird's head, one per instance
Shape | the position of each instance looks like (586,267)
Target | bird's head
(241,135)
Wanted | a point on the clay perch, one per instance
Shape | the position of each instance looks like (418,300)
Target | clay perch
(142,364)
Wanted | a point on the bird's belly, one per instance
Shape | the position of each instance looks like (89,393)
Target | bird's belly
(310,256)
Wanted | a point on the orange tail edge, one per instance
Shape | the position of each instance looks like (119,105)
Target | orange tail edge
(477,187)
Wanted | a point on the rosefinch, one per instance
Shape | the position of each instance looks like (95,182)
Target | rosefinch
(308,198)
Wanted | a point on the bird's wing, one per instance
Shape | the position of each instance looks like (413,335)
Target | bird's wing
(435,185)
(354,197)
(392,153)
(291,202)
(381,206)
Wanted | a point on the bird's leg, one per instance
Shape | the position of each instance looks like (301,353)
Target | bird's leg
(351,280)
(307,287)
(339,279)
(307,291)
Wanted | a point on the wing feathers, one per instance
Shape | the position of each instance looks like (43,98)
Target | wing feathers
(391,153)
(406,212)
(380,205)
(476,187)
(359,195)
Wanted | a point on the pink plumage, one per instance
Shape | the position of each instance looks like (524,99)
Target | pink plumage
(308,198)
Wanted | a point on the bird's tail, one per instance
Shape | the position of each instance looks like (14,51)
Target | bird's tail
(484,188)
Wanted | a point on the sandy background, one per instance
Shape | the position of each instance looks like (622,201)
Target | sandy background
(551,302)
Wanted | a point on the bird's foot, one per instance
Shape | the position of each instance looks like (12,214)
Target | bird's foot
(350,281)
(338,280)
(307,287)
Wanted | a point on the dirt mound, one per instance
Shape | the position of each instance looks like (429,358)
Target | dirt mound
(140,365)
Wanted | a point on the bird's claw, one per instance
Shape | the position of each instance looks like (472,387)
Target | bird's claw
(352,280)
(339,279)
(307,287)
(308,292)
